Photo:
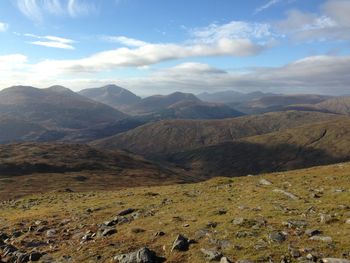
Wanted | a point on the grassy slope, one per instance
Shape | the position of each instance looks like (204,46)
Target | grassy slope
(172,136)
(41,167)
(195,205)
(304,146)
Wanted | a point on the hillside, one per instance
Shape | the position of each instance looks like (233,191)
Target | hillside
(55,107)
(13,129)
(277,102)
(112,95)
(173,136)
(160,102)
(42,167)
(339,105)
(290,217)
(305,146)
(231,96)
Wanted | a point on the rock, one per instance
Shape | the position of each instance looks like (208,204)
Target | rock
(221,211)
(17,233)
(225,260)
(143,255)
(243,234)
(181,243)
(51,233)
(347,221)
(110,223)
(326,219)
(277,236)
(313,232)
(108,232)
(245,261)
(221,243)
(238,221)
(126,212)
(290,195)
(8,249)
(212,224)
(296,223)
(201,233)
(264,182)
(21,257)
(322,238)
(211,255)
(159,234)
(35,256)
(335,260)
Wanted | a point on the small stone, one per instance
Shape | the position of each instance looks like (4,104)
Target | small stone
(335,260)
(212,224)
(322,238)
(290,195)
(35,256)
(143,255)
(277,237)
(108,232)
(347,221)
(126,212)
(313,232)
(51,233)
(326,219)
(211,255)
(225,260)
(181,243)
(159,234)
(264,182)
(296,223)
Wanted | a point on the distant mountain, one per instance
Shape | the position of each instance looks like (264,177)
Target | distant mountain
(55,108)
(232,96)
(160,102)
(277,102)
(171,136)
(338,105)
(112,95)
(304,146)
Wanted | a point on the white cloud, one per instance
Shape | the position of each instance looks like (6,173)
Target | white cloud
(12,62)
(147,55)
(266,6)
(37,9)
(51,41)
(3,27)
(332,23)
(131,42)
(232,30)
(318,74)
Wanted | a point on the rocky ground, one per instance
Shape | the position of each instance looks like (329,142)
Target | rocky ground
(298,216)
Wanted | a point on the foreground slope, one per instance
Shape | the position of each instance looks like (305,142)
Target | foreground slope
(41,167)
(173,136)
(292,216)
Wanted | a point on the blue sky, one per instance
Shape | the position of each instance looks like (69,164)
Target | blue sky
(159,46)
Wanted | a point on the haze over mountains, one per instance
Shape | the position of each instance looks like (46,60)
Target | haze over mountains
(180,128)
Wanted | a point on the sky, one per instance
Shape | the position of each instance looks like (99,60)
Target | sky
(161,46)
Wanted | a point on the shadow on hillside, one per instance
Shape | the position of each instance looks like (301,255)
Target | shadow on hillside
(243,158)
